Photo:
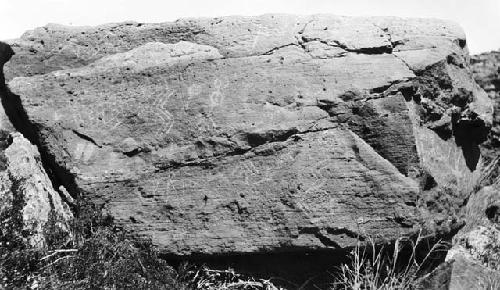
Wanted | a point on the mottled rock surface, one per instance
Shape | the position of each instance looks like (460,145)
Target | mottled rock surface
(474,260)
(479,240)
(30,207)
(460,274)
(256,134)
(486,68)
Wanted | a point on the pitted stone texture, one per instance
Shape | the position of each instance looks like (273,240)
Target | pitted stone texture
(460,273)
(477,245)
(479,240)
(253,134)
(56,47)
(486,68)
(27,194)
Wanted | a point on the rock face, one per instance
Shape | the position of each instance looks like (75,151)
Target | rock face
(257,134)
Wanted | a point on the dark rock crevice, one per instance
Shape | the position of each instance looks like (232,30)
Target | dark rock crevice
(251,144)
(405,63)
(386,49)
(446,110)
(365,50)
(6,54)
(19,118)
(271,51)
(338,44)
(317,232)
(86,138)
(469,134)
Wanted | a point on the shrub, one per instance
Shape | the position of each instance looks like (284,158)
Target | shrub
(95,255)
(108,259)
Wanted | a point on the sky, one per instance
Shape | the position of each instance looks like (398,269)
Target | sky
(479,18)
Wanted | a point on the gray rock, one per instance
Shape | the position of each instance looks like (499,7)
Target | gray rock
(479,240)
(485,68)
(460,274)
(29,206)
(257,134)
(474,260)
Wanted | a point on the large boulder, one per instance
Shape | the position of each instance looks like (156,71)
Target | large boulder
(460,274)
(254,134)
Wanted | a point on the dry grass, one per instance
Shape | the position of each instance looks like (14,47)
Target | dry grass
(102,257)
(492,283)
(208,279)
(380,269)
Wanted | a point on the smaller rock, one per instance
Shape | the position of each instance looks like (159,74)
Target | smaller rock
(479,240)
(460,273)
(482,245)
(130,146)
(29,204)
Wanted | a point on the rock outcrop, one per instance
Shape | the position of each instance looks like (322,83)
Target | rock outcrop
(479,240)
(275,133)
(31,211)
(474,260)
(486,70)
(460,274)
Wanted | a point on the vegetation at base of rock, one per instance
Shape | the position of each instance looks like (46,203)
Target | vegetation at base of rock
(279,144)
(97,255)
(389,268)
(108,260)
(392,134)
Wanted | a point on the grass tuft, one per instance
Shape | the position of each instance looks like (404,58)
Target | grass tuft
(373,268)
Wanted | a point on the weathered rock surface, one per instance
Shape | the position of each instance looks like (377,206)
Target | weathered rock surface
(30,208)
(474,260)
(31,211)
(479,240)
(486,70)
(255,134)
(460,274)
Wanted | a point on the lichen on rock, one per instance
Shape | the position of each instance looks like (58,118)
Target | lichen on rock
(30,205)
